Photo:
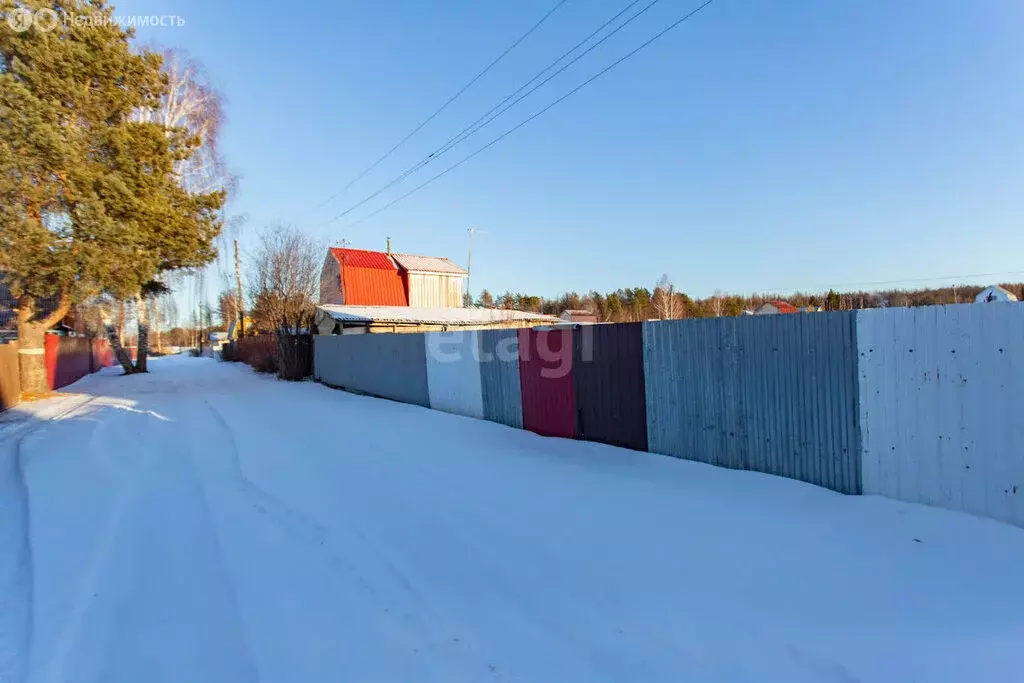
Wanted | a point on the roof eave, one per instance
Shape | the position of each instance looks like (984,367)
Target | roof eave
(436,272)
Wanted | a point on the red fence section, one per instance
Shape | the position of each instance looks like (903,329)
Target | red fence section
(260,352)
(68,359)
(102,354)
(546,381)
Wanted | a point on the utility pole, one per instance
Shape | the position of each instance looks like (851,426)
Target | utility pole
(238,283)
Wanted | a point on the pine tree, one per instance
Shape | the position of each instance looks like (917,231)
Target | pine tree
(89,202)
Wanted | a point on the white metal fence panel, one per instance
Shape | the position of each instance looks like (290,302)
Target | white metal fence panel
(941,389)
(453,373)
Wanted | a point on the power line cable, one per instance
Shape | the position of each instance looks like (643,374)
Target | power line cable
(561,99)
(472,128)
(444,106)
(923,279)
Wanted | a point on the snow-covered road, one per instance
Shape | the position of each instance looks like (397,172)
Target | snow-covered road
(206,524)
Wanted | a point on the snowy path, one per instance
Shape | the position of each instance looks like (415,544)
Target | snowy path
(206,524)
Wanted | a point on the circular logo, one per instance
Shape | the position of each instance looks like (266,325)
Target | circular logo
(20,19)
(46,19)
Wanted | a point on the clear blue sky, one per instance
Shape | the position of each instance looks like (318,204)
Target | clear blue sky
(763,145)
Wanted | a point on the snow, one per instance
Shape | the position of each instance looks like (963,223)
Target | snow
(427,315)
(207,524)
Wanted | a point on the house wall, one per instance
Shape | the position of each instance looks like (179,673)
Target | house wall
(387,328)
(499,377)
(453,373)
(330,281)
(434,290)
(941,389)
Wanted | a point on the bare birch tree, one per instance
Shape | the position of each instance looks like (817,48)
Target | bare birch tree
(284,279)
(193,104)
(717,304)
(664,299)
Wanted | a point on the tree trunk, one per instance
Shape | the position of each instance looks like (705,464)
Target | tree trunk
(32,356)
(32,343)
(120,322)
(155,320)
(122,355)
(142,315)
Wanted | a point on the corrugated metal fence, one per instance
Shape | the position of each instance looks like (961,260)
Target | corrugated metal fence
(10,376)
(387,365)
(774,394)
(499,377)
(915,404)
(608,374)
(941,389)
(453,373)
(67,360)
(546,382)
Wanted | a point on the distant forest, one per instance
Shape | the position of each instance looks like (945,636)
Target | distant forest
(665,302)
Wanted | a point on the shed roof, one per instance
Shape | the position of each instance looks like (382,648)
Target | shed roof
(785,307)
(994,293)
(427,264)
(428,316)
(575,315)
(369,278)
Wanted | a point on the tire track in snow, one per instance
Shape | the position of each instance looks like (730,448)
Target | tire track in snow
(232,594)
(294,521)
(17,589)
(312,534)
(316,536)
(15,568)
(92,572)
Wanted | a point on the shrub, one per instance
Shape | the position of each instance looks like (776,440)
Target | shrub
(264,363)
(295,356)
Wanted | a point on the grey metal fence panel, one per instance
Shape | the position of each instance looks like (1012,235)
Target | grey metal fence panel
(499,377)
(453,372)
(387,365)
(774,394)
(940,395)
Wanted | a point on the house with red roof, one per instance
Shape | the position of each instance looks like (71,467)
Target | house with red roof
(776,307)
(356,277)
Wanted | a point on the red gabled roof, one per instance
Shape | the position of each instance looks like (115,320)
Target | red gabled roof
(360,258)
(785,307)
(369,278)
